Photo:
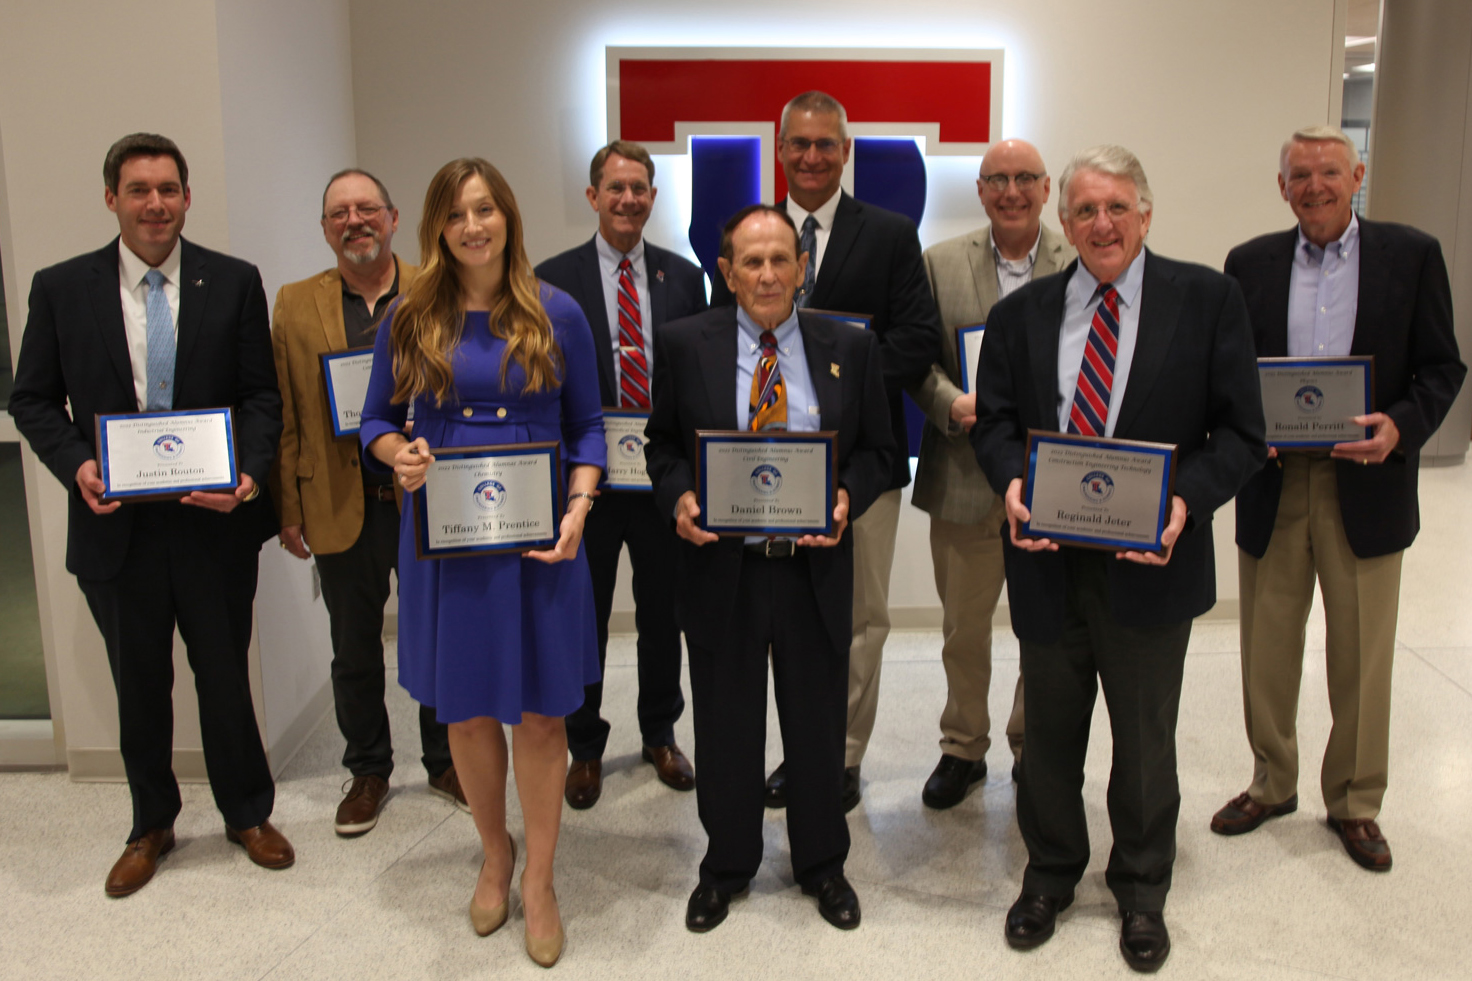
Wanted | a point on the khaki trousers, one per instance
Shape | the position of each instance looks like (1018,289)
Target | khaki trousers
(1361,601)
(873,558)
(969,579)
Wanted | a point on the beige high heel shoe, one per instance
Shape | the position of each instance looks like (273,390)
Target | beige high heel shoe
(545,951)
(488,921)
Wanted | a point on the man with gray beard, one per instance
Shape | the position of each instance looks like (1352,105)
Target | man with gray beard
(329,504)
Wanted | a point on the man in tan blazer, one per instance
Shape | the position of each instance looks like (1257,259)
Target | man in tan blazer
(329,504)
(969,274)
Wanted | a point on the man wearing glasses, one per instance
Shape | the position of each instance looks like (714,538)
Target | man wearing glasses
(1332,286)
(332,506)
(861,259)
(1180,369)
(969,274)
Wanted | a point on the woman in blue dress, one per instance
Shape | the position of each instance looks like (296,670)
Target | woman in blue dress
(488,355)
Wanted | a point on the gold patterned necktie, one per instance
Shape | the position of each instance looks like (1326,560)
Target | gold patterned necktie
(768,405)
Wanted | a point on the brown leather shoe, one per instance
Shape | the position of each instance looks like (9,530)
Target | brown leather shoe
(1364,842)
(673,766)
(447,785)
(139,860)
(266,846)
(358,812)
(1242,814)
(584,784)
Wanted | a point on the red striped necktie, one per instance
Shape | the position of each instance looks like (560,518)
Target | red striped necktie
(633,365)
(1090,412)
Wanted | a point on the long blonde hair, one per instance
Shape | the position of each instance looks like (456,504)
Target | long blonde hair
(428,324)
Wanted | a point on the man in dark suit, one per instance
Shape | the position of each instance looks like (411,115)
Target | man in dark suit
(628,287)
(154,322)
(862,259)
(1336,285)
(1179,369)
(764,365)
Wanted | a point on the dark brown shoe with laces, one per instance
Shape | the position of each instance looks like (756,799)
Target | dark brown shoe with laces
(673,766)
(358,812)
(1243,814)
(447,785)
(584,784)
(266,846)
(139,861)
(1363,841)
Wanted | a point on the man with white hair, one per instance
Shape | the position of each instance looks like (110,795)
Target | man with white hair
(1184,373)
(1336,285)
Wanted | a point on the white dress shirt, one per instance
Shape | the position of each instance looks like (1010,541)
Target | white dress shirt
(133,290)
(824,215)
(608,263)
(1323,295)
(1013,274)
(1079,302)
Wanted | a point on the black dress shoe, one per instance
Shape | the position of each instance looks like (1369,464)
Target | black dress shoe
(777,786)
(852,792)
(1143,940)
(1031,919)
(706,909)
(837,900)
(950,780)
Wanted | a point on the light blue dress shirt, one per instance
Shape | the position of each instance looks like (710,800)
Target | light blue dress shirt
(1324,295)
(1079,302)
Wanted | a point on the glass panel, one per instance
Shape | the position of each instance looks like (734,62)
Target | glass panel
(22,665)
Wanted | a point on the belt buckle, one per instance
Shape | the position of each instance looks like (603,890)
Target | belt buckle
(779,548)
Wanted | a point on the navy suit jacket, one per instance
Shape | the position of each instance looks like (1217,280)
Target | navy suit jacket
(679,292)
(1404,319)
(1193,382)
(872,265)
(75,348)
(695,388)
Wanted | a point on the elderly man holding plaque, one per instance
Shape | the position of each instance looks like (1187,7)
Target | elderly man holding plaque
(763,376)
(153,324)
(628,286)
(333,508)
(1336,285)
(968,275)
(1122,345)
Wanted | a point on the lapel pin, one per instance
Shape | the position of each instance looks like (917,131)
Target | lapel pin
(833,367)
(199,282)
(659,275)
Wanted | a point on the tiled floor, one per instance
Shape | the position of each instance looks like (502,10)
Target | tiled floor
(1284,902)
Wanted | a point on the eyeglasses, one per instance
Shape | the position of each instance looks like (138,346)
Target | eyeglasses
(639,189)
(1023,180)
(1086,213)
(800,144)
(366,212)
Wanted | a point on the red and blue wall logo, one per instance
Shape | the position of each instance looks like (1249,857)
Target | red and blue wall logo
(723,106)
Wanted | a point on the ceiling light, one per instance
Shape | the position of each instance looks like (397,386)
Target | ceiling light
(1354,41)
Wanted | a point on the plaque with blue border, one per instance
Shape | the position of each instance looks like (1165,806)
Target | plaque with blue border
(968,350)
(163,456)
(862,321)
(488,500)
(766,483)
(345,377)
(624,431)
(1307,403)
(1091,492)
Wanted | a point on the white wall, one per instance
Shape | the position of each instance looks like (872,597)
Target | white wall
(1203,93)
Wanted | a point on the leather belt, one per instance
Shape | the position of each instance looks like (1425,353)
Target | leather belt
(779,548)
(383,493)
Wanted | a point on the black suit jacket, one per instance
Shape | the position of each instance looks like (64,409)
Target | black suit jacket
(1404,319)
(75,348)
(679,292)
(1193,382)
(872,265)
(695,388)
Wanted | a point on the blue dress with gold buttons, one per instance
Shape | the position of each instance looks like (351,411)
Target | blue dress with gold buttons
(496,635)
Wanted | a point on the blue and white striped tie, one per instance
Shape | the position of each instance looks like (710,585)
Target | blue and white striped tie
(160,344)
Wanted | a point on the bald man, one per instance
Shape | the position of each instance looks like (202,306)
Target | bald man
(968,274)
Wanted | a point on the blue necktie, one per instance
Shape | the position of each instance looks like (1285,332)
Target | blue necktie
(160,344)
(809,244)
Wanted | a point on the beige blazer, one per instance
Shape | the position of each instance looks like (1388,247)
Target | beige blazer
(317,480)
(949,483)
